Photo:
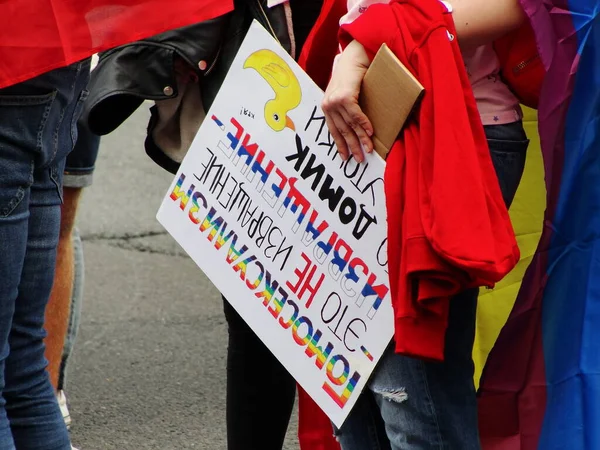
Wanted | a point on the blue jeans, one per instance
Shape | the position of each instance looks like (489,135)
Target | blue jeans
(81,162)
(412,404)
(37,131)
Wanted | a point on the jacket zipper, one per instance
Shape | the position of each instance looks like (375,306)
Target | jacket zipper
(214,63)
(523,64)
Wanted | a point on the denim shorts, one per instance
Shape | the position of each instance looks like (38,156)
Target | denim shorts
(79,168)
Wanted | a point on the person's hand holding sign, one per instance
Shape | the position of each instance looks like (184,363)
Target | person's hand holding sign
(348,125)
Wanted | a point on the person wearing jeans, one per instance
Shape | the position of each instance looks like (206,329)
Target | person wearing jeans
(412,403)
(38,129)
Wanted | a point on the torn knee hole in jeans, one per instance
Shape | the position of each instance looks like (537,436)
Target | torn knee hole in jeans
(392,395)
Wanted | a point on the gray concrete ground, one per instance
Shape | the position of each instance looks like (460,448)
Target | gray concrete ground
(149,365)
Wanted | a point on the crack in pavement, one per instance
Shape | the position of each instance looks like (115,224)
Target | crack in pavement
(145,248)
(130,241)
(121,237)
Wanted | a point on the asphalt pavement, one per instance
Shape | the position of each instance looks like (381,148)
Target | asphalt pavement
(148,371)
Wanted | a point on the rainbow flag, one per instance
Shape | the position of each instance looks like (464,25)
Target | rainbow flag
(540,387)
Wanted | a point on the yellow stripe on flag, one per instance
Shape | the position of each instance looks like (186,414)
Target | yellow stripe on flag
(527,214)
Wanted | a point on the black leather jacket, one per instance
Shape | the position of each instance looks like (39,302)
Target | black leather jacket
(181,71)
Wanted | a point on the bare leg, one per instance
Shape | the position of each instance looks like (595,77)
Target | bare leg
(58,309)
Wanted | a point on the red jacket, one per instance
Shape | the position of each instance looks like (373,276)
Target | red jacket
(448,227)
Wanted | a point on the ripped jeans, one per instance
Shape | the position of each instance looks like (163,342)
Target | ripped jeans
(412,404)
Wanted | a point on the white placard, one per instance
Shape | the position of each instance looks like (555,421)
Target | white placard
(292,236)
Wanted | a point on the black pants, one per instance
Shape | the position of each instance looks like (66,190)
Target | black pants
(260,391)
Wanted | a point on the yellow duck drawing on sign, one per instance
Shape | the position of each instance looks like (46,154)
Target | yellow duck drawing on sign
(284,83)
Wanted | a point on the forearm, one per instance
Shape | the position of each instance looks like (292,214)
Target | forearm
(480,22)
(355,55)
(477,22)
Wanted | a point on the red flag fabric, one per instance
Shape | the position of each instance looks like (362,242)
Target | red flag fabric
(315,431)
(41,35)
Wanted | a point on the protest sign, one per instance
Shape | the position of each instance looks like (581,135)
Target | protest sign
(292,236)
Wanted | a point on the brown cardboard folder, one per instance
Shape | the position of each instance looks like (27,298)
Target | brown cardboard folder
(388,95)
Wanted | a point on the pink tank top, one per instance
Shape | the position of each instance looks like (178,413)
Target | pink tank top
(496,103)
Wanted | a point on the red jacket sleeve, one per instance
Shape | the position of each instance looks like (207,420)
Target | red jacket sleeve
(463,215)
(421,282)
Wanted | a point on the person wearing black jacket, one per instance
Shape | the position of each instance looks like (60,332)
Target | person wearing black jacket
(182,71)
